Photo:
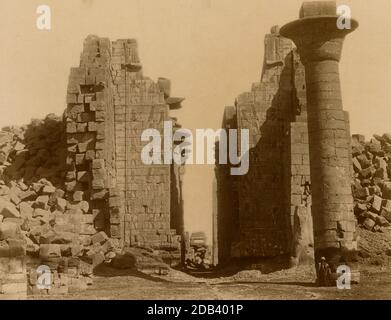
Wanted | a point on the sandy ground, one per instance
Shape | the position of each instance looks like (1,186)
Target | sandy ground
(251,284)
(297,284)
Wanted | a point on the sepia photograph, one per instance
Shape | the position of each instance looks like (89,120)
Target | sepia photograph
(195,150)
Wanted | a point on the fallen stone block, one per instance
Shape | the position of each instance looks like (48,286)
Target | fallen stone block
(47,237)
(41,202)
(9,230)
(386,190)
(364,161)
(361,193)
(383,222)
(64,237)
(370,215)
(377,203)
(47,190)
(356,165)
(61,204)
(50,251)
(386,213)
(78,196)
(14,199)
(31,247)
(29,195)
(360,208)
(38,212)
(26,210)
(8,210)
(99,237)
(98,259)
(367,173)
(369,224)
(37,187)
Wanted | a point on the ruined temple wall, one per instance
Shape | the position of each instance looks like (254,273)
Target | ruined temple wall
(265,111)
(298,174)
(89,117)
(110,104)
(273,208)
(140,104)
(225,219)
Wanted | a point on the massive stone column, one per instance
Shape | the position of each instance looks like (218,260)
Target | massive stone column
(319,42)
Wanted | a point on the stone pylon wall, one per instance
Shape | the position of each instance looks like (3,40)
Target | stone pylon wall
(110,104)
(90,132)
(298,182)
(265,111)
(272,213)
(296,196)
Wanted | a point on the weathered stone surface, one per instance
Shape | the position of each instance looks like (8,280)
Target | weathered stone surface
(319,43)
(377,203)
(26,210)
(99,237)
(50,251)
(41,202)
(369,224)
(9,230)
(8,210)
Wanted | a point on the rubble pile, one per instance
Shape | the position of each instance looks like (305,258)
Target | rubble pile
(371,185)
(34,151)
(41,225)
(53,231)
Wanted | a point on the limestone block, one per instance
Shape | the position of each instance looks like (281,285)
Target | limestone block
(8,209)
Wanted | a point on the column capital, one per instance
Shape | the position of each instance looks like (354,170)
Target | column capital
(316,33)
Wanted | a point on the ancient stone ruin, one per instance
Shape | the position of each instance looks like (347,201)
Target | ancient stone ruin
(110,104)
(74,190)
(300,160)
(273,198)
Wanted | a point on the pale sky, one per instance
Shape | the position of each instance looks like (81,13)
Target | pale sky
(212,50)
